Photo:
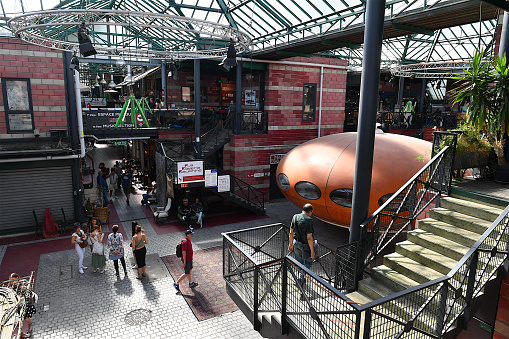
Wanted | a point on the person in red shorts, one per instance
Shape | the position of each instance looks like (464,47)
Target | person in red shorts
(187,260)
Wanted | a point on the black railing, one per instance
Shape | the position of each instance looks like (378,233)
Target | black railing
(241,189)
(268,283)
(254,122)
(400,211)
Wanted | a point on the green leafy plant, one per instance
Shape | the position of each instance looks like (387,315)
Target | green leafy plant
(470,140)
(486,83)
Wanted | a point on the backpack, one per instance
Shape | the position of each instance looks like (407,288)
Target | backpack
(178,250)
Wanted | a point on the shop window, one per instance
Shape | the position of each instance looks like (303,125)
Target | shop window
(19,111)
(309,103)
(187,94)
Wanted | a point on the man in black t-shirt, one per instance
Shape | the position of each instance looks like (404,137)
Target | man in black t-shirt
(184,212)
(301,238)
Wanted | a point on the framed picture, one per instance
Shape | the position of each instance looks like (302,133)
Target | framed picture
(19,111)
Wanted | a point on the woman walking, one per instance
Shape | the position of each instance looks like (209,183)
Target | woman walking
(98,258)
(79,239)
(140,251)
(116,245)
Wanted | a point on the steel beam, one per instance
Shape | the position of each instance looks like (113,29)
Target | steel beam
(238,97)
(412,29)
(197,106)
(370,78)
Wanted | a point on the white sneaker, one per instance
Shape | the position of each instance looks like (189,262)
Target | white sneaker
(84,267)
(81,271)
(95,270)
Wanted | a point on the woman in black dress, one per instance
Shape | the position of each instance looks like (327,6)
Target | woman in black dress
(140,251)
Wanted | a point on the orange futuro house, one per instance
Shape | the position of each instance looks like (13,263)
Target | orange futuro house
(321,172)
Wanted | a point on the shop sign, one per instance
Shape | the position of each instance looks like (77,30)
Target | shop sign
(223,81)
(98,102)
(120,143)
(189,171)
(276,158)
(223,183)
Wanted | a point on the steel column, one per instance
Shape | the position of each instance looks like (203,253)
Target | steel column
(504,36)
(423,93)
(401,84)
(197,106)
(163,84)
(370,78)
(238,97)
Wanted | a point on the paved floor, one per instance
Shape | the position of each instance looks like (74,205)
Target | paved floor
(91,305)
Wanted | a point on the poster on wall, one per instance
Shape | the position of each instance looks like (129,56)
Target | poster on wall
(189,171)
(223,183)
(18,107)
(250,97)
(211,178)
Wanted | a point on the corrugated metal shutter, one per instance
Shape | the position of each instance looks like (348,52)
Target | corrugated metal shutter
(24,190)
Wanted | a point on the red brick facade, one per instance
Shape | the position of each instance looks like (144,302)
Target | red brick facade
(44,68)
(502,321)
(247,156)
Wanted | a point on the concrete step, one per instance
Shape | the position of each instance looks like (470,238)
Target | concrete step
(437,243)
(460,220)
(410,268)
(474,209)
(425,256)
(448,231)
(359,298)
(374,289)
(392,279)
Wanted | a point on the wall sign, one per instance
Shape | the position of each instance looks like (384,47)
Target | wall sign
(223,183)
(19,111)
(211,178)
(189,171)
(276,158)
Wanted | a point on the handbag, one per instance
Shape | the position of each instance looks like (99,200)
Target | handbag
(98,248)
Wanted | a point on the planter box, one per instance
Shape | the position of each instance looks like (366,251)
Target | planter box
(470,160)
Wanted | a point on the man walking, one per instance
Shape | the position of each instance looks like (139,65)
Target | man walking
(301,238)
(187,260)
(127,179)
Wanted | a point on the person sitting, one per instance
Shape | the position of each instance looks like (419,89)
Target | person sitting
(150,195)
(185,213)
(197,209)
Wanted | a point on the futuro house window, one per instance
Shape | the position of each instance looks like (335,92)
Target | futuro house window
(284,182)
(342,197)
(308,190)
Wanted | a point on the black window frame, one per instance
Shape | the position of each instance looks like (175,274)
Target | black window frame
(9,112)
(309,116)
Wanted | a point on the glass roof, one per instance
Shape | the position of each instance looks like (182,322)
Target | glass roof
(279,22)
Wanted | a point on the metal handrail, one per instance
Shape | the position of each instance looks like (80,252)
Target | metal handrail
(429,309)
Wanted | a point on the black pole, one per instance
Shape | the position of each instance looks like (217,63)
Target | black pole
(401,84)
(197,106)
(504,36)
(373,35)
(423,94)
(238,97)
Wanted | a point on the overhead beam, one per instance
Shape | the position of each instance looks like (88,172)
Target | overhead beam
(226,12)
(294,54)
(340,44)
(499,3)
(413,29)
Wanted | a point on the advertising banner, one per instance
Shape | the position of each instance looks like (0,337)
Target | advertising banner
(189,171)
(211,178)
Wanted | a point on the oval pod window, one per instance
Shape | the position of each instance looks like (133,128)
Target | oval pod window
(283,181)
(342,197)
(308,190)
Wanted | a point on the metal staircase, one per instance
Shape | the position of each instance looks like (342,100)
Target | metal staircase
(214,138)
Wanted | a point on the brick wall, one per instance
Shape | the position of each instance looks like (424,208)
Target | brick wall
(247,155)
(44,68)
(502,321)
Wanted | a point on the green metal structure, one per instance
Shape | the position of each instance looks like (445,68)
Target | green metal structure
(414,31)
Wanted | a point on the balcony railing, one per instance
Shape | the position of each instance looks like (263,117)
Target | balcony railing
(255,268)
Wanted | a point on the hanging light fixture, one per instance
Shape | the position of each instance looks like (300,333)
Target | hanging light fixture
(103,81)
(129,76)
(86,48)
(96,84)
(75,63)
(172,69)
(231,58)
(112,83)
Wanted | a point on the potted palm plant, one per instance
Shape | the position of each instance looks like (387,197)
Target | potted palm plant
(486,83)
